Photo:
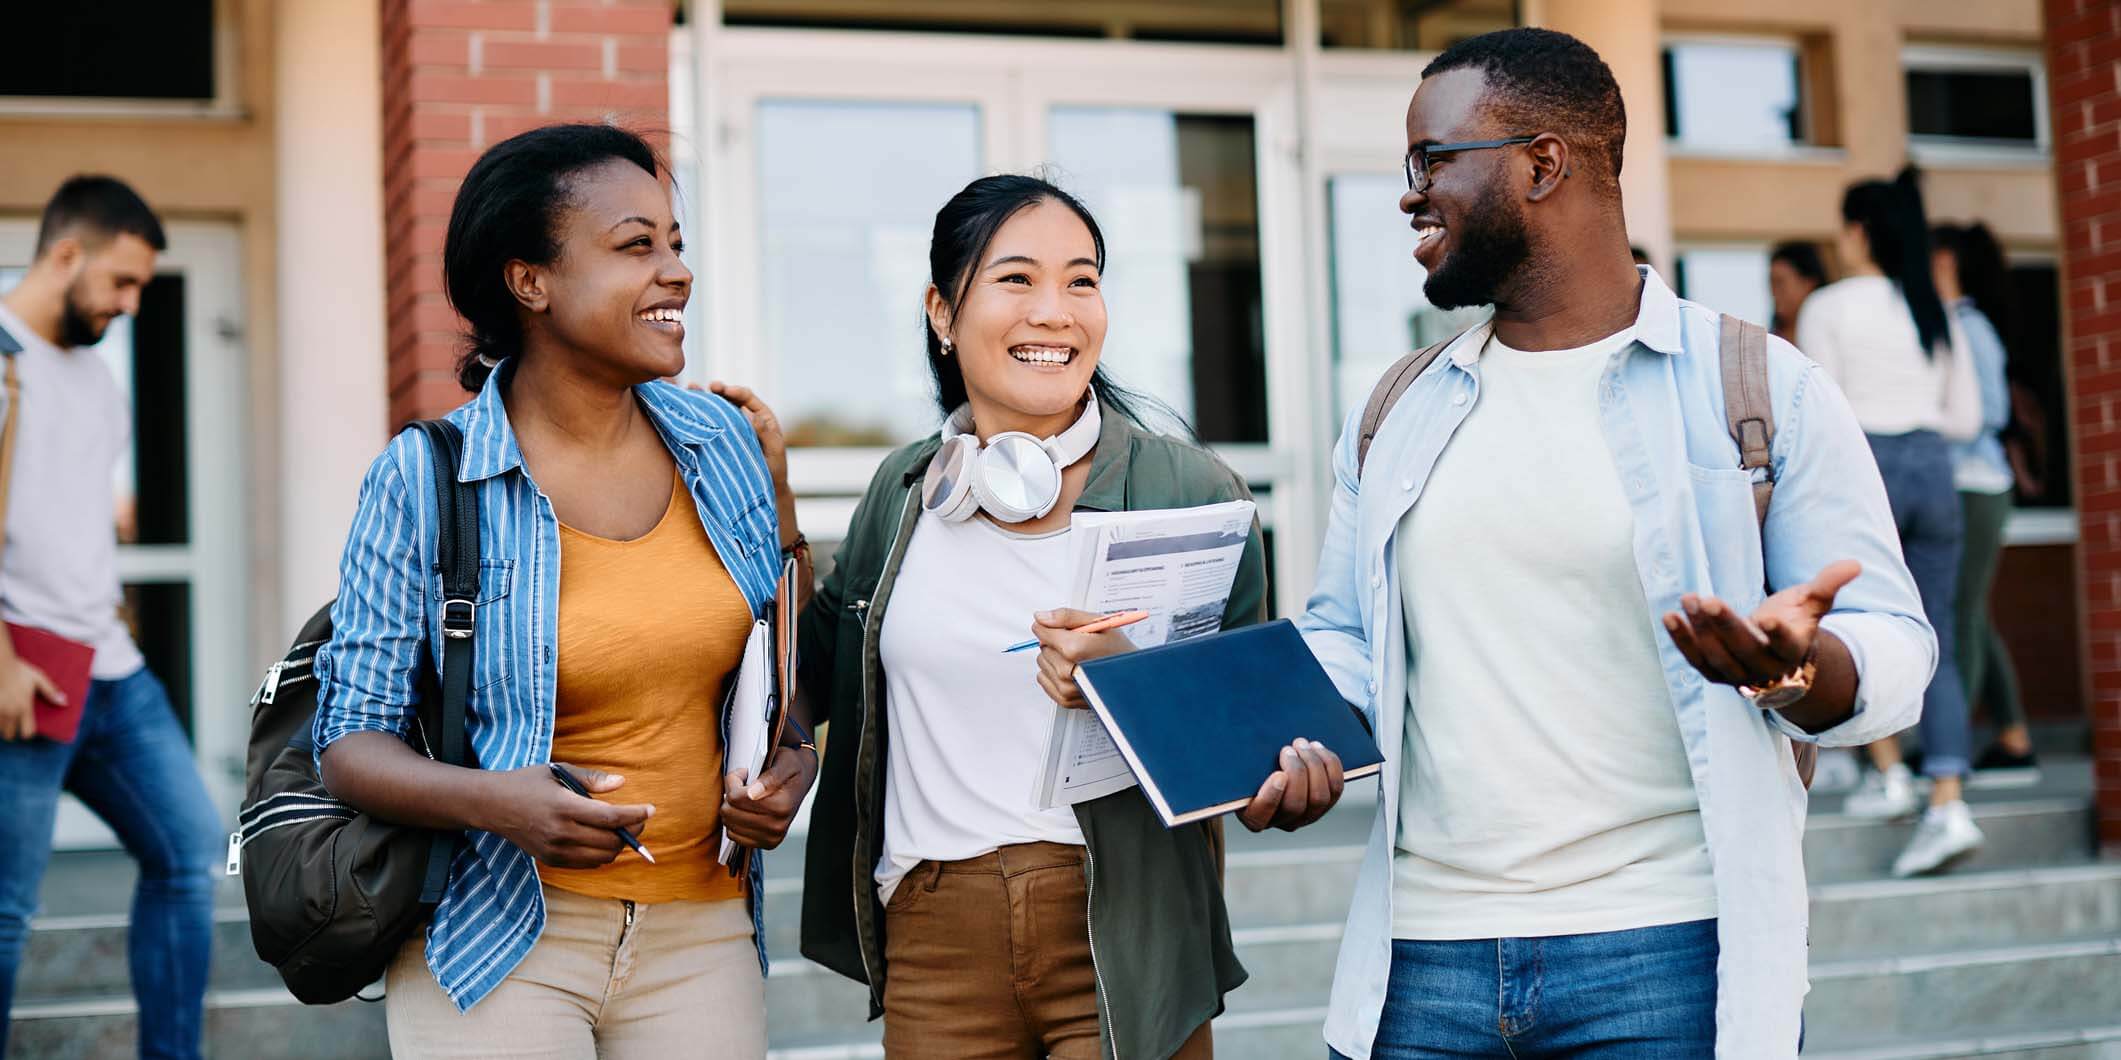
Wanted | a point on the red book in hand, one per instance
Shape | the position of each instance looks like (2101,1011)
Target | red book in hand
(66,662)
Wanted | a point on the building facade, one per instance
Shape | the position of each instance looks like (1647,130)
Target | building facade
(1243,156)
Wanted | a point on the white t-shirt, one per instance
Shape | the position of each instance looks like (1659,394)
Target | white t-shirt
(1861,331)
(60,567)
(968,723)
(1545,788)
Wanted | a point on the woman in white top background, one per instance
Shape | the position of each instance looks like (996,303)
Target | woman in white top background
(1883,334)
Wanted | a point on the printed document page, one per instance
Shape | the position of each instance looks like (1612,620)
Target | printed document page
(1178,564)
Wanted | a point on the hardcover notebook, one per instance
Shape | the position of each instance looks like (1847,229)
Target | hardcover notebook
(1202,722)
(66,662)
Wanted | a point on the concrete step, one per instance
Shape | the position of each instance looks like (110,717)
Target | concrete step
(1965,909)
(2071,983)
(2021,833)
(85,956)
(2037,1043)
(239,1024)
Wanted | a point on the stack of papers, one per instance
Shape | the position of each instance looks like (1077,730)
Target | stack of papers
(1178,564)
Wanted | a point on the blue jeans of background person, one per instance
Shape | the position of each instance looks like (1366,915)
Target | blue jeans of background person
(1917,468)
(1646,994)
(130,764)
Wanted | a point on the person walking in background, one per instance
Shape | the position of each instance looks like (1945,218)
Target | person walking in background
(984,925)
(1794,272)
(630,533)
(1973,282)
(1882,333)
(129,760)
(1584,658)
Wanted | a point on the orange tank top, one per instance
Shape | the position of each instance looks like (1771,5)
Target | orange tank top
(650,630)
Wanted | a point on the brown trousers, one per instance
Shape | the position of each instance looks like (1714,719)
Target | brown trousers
(989,959)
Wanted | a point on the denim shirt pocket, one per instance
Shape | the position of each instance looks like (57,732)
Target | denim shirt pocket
(1730,532)
(490,622)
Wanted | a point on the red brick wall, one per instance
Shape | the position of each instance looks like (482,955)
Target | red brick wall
(459,76)
(2084,87)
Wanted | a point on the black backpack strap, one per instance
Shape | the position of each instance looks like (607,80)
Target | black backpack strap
(457,557)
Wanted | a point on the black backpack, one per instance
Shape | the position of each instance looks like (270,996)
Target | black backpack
(333,893)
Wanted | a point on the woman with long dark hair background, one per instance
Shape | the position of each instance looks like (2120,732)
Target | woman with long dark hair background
(1974,283)
(1884,336)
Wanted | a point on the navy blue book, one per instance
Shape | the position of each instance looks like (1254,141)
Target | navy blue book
(1202,722)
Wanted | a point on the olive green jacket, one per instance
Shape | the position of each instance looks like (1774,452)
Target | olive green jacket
(1157,890)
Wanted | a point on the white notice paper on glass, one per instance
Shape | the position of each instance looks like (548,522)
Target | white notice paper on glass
(1178,564)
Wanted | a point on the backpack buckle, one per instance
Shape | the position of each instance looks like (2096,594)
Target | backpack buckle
(457,614)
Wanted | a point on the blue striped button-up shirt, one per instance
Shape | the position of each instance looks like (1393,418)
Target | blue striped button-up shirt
(387,622)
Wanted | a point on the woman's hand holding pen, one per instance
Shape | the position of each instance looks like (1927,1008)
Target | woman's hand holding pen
(1061,649)
(757,813)
(557,826)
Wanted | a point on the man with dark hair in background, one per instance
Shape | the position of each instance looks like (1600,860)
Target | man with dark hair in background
(129,760)
(1544,585)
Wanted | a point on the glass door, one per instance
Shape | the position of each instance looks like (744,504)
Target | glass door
(824,154)
(180,493)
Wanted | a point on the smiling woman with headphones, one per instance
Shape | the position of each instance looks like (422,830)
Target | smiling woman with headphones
(983,924)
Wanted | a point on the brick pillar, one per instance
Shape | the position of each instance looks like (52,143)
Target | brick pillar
(459,76)
(2084,87)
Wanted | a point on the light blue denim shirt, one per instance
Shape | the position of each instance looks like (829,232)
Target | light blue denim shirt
(1661,408)
(387,619)
(1980,463)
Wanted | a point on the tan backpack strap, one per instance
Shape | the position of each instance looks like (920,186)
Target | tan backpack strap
(1748,405)
(1395,382)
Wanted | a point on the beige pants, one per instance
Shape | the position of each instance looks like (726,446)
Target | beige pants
(682,979)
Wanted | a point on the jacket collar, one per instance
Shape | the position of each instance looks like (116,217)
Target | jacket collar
(1106,491)
(1657,324)
(490,441)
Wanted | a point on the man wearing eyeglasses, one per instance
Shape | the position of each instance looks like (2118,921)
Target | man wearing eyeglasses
(1544,582)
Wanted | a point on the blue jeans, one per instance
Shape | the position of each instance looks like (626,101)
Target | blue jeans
(1647,994)
(129,763)
(1917,468)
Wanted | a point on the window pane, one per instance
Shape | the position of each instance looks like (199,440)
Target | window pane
(849,193)
(1730,280)
(1218,21)
(1732,95)
(1379,314)
(2039,429)
(1410,25)
(162,50)
(1177,198)
(1972,104)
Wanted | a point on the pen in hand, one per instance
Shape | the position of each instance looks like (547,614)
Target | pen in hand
(1110,622)
(568,781)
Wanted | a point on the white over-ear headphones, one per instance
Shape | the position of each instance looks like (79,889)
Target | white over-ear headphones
(1015,477)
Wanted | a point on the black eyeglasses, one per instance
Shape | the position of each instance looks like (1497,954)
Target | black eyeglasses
(1418,160)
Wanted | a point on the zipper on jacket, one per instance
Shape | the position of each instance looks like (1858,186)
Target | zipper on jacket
(869,708)
(1097,975)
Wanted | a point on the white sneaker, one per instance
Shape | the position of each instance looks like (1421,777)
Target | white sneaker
(1947,832)
(1887,794)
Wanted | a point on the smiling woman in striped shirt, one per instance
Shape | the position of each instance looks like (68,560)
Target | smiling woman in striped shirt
(630,532)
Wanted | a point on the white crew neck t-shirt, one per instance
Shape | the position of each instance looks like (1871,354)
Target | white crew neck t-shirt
(59,570)
(1544,788)
(968,723)
(1861,331)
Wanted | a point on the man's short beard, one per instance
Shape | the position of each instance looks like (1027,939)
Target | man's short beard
(1492,246)
(77,328)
